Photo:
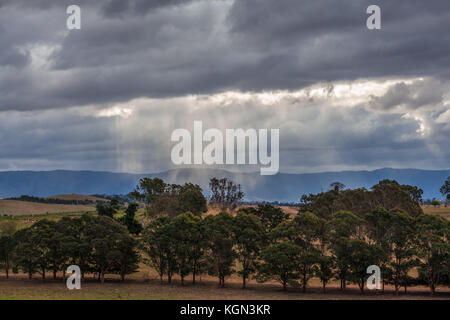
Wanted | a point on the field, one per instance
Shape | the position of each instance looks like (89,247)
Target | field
(146,286)
(441,211)
(17,208)
(27,213)
(24,208)
(292,211)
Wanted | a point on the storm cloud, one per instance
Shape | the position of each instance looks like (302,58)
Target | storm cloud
(108,96)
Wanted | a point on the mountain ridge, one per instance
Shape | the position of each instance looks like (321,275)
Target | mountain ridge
(280,187)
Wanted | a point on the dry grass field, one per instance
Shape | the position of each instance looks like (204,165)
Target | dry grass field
(139,287)
(292,211)
(145,284)
(442,211)
(15,208)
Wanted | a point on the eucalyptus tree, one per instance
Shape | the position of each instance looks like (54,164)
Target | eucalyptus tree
(219,231)
(248,238)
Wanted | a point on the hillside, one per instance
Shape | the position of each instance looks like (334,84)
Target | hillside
(280,187)
(440,211)
(76,197)
(16,208)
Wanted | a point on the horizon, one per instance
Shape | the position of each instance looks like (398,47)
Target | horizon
(283,187)
(221,169)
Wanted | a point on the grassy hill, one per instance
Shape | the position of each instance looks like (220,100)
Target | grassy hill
(17,208)
(292,211)
(76,197)
(441,211)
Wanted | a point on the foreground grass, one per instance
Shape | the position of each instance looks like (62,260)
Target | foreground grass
(136,288)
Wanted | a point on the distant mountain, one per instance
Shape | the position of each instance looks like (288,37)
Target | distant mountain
(281,187)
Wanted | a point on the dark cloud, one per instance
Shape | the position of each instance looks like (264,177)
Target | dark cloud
(54,82)
(120,8)
(212,46)
(313,136)
(412,96)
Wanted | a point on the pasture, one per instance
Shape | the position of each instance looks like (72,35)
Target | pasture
(441,211)
(17,208)
(144,285)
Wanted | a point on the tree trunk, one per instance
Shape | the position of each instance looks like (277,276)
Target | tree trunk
(193,276)
(102,278)
(54,274)
(243,282)
(122,277)
(324,287)
(43,274)
(7,267)
(304,283)
(29,275)
(405,282)
(182,280)
(284,285)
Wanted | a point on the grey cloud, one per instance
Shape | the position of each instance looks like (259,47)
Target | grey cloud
(120,8)
(412,96)
(165,49)
(313,136)
(13,57)
(213,46)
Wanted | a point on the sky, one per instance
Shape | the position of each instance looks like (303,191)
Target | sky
(107,97)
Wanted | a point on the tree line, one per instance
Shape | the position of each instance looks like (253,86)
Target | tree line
(56,200)
(97,244)
(333,237)
(265,244)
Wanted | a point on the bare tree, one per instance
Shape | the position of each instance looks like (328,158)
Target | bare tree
(225,193)
(337,186)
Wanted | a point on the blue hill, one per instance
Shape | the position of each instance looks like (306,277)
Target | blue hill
(280,187)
